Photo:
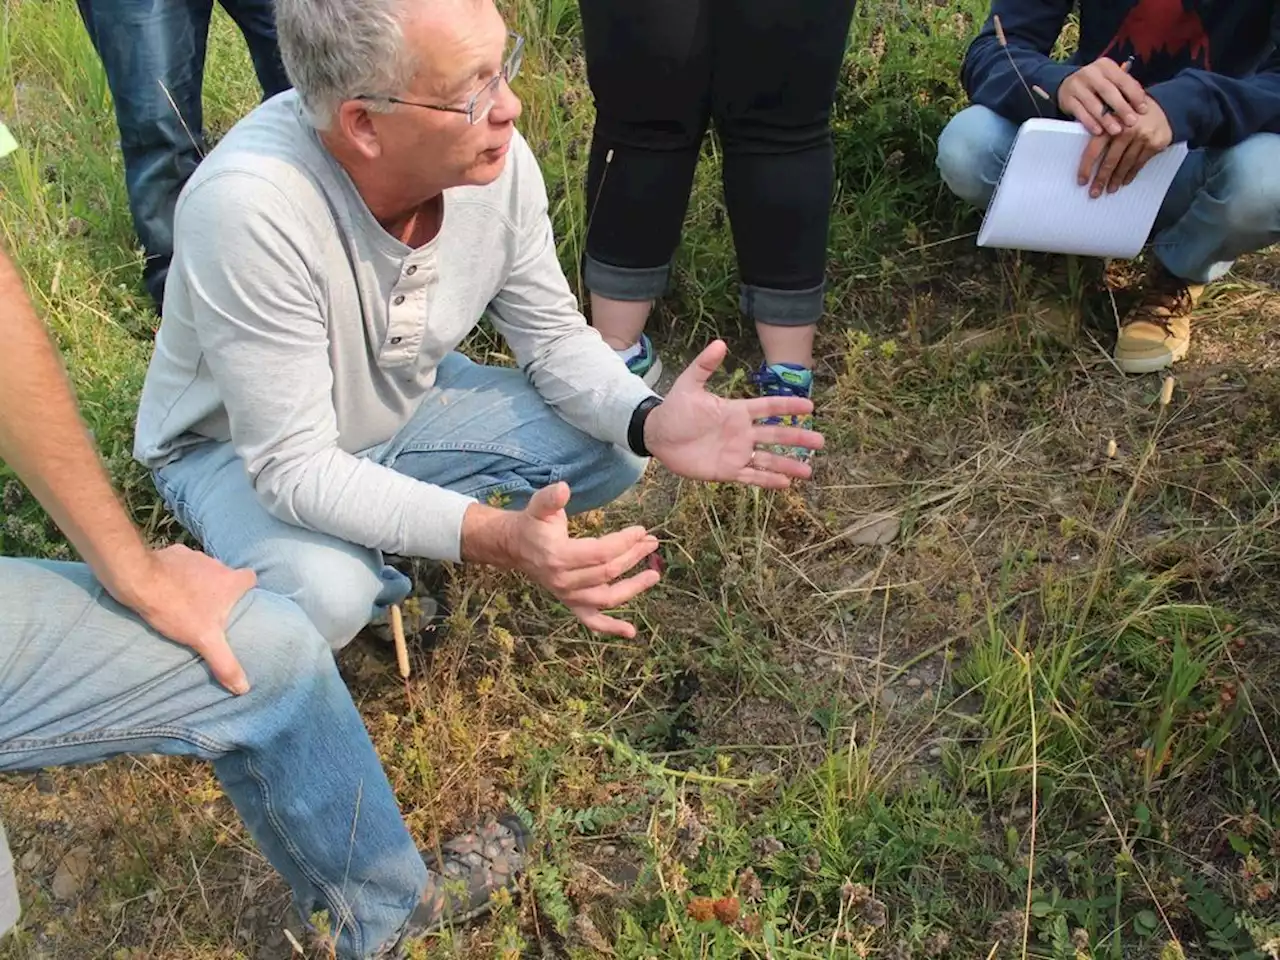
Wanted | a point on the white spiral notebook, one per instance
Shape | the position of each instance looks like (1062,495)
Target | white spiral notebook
(1039,206)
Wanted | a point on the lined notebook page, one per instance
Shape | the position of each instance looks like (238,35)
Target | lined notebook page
(1039,206)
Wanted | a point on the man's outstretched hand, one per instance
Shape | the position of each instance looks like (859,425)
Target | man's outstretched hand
(701,436)
(583,573)
(187,597)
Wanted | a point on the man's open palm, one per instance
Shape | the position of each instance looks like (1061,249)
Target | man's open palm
(701,436)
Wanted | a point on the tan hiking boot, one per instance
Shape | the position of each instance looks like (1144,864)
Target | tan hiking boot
(1157,331)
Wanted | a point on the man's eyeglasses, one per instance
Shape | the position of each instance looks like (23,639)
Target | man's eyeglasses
(481,102)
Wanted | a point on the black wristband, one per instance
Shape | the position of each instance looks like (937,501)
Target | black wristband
(635,429)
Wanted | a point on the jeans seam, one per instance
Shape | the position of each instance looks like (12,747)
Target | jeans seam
(100,736)
(494,449)
(336,899)
(180,508)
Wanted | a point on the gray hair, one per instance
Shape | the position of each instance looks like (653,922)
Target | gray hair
(335,50)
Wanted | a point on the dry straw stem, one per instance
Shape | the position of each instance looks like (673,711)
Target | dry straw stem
(397,634)
(1004,45)
(1166,392)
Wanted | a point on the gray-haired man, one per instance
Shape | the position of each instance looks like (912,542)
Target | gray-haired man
(306,409)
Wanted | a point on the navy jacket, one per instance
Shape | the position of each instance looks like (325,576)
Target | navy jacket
(1212,65)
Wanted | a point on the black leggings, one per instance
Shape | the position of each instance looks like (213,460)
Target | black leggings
(766,72)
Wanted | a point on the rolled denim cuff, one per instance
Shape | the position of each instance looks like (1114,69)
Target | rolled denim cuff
(625,283)
(782,308)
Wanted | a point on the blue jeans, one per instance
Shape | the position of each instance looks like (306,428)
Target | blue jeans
(481,431)
(82,679)
(148,47)
(1222,204)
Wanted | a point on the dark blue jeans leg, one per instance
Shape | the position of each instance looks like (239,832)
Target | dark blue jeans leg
(153,53)
(258,24)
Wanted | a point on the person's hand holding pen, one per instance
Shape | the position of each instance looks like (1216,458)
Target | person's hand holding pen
(1104,97)
(1119,150)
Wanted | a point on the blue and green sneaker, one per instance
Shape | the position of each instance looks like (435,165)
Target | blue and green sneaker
(786,380)
(646,364)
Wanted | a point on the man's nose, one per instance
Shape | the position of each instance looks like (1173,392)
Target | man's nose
(506,105)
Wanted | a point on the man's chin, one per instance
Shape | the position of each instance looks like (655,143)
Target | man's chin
(489,166)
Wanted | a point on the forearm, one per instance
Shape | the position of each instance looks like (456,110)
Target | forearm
(44,441)
(359,501)
(572,368)
(999,76)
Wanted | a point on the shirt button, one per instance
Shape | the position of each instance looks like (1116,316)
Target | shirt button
(398,300)
(411,271)
(396,340)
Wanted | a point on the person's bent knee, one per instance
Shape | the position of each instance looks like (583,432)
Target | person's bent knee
(336,587)
(1251,197)
(275,642)
(610,475)
(970,151)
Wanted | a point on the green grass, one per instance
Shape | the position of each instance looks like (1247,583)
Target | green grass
(1041,722)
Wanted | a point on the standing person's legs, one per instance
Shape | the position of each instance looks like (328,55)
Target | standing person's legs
(774,74)
(649,70)
(483,431)
(972,152)
(81,679)
(257,23)
(153,54)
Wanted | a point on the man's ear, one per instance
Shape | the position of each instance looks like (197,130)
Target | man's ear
(354,124)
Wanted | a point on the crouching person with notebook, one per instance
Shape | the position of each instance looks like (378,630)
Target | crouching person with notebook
(1146,74)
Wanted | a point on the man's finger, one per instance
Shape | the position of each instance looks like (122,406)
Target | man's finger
(1127,166)
(611,570)
(1114,97)
(786,466)
(763,478)
(1089,159)
(593,551)
(223,664)
(1073,106)
(1107,168)
(706,363)
(1129,88)
(788,437)
(614,594)
(1089,110)
(761,408)
(598,622)
(548,501)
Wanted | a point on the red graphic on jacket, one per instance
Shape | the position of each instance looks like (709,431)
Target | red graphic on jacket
(1162,26)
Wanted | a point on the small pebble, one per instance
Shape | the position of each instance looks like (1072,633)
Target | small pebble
(935,753)
(914,683)
(608,850)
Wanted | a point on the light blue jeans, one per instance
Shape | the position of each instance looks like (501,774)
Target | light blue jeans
(1222,204)
(82,679)
(480,431)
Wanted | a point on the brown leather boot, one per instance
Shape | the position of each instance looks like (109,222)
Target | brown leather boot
(1157,331)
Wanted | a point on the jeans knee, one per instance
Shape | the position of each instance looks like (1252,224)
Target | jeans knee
(1250,193)
(971,152)
(337,589)
(607,477)
(276,643)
